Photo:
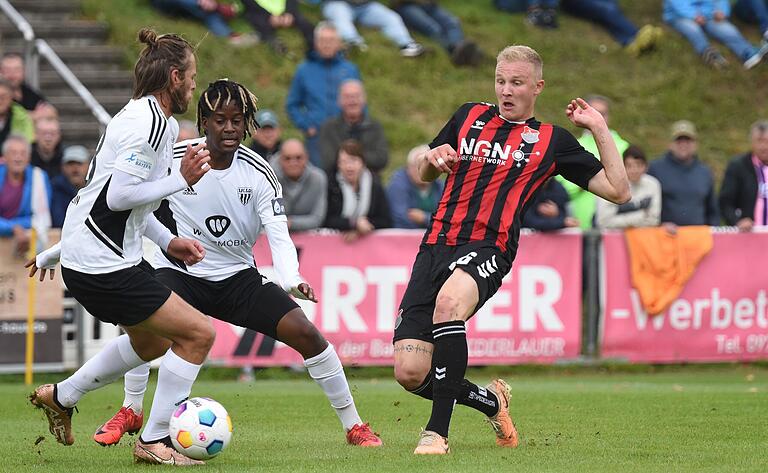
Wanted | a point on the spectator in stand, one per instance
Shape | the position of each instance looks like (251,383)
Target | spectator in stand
(212,14)
(411,200)
(267,140)
(744,193)
(430,19)
(24,196)
(312,98)
(345,13)
(697,19)
(357,203)
(644,210)
(12,70)
(305,187)
(547,210)
(582,203)
(606,13)
(267,16)
(14,120)
(755,12)
(354,123)
(47,150)
(45,111)
(687,184)
(187,130)
(74,168)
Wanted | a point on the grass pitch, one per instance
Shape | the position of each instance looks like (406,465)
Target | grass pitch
(677,420)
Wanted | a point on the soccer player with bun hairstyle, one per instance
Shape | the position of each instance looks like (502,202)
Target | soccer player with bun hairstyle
(101,251)
(227,210)
(504,157)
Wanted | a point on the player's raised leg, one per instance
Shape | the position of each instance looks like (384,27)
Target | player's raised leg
(324,366)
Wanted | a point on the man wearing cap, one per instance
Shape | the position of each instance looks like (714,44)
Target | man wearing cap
(266,141)
(74,167)
(687,184)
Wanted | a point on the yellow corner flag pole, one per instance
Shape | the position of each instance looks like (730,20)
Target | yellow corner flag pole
(31,299)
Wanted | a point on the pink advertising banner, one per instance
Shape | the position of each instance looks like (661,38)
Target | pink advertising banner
(719,316)
(534,317)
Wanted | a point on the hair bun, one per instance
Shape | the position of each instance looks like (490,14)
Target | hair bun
(148,37)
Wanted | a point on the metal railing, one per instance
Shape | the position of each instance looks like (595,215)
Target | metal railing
(34,48)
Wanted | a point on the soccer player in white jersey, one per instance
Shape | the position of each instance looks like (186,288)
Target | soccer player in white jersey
(226,211)
(101,251)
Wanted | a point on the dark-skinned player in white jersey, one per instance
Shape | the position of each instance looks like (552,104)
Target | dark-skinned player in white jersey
(226,210)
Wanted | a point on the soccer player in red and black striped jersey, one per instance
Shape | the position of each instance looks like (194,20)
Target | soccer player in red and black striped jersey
(497,157)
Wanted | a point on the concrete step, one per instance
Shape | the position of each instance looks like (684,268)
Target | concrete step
(57,30)
(72,107)
(93,79)
(85,133)
(46,6)
(78,56)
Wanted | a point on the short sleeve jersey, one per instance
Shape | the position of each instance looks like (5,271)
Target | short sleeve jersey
(502,165)
(225,211)
(139,141)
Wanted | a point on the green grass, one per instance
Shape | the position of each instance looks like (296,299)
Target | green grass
(680,419)
(414,98)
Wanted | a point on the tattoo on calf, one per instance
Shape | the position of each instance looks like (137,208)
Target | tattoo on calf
(413,349)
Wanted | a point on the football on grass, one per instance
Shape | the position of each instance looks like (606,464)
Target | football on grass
(200,428)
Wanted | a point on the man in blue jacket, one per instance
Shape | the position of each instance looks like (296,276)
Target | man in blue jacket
(24,195)
(312,98)
(411,200)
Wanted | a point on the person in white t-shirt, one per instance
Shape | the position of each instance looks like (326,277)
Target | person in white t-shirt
(227,210)
(101,251)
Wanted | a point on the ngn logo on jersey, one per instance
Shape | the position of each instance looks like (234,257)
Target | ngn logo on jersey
(217,224)
(245,194)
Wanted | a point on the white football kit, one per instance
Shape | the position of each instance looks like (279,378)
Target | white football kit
(226,211)
(138,141)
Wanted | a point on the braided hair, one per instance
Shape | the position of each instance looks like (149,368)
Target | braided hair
(221,93)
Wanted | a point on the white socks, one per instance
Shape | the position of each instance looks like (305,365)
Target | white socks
(135,386)
(174,383)
(327,371)
(113,361)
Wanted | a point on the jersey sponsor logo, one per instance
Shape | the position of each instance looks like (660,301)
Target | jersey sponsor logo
(135,160)
(245,194)
(189,191)
(494,153)
(217,224)
(278,207)
(196,231)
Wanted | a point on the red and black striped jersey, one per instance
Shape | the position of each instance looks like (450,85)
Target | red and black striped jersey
(501,166)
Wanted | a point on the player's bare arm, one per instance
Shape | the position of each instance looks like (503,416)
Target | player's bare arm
(185,249)
(611,183)
(437,161)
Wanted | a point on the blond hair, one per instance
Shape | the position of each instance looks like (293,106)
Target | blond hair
(415,154)
(521,53)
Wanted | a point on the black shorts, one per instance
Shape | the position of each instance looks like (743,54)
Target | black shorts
(246,299)
(433,266)
(125,297)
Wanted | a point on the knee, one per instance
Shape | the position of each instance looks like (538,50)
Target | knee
(446,308)
(204,335)
(410,375)
(308,340)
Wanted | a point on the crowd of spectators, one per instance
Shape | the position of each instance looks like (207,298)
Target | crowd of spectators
(333,176)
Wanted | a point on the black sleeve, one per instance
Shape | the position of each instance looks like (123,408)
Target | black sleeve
(573,162)
(333,218)
(379,214)
(450,132)
(729,192)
